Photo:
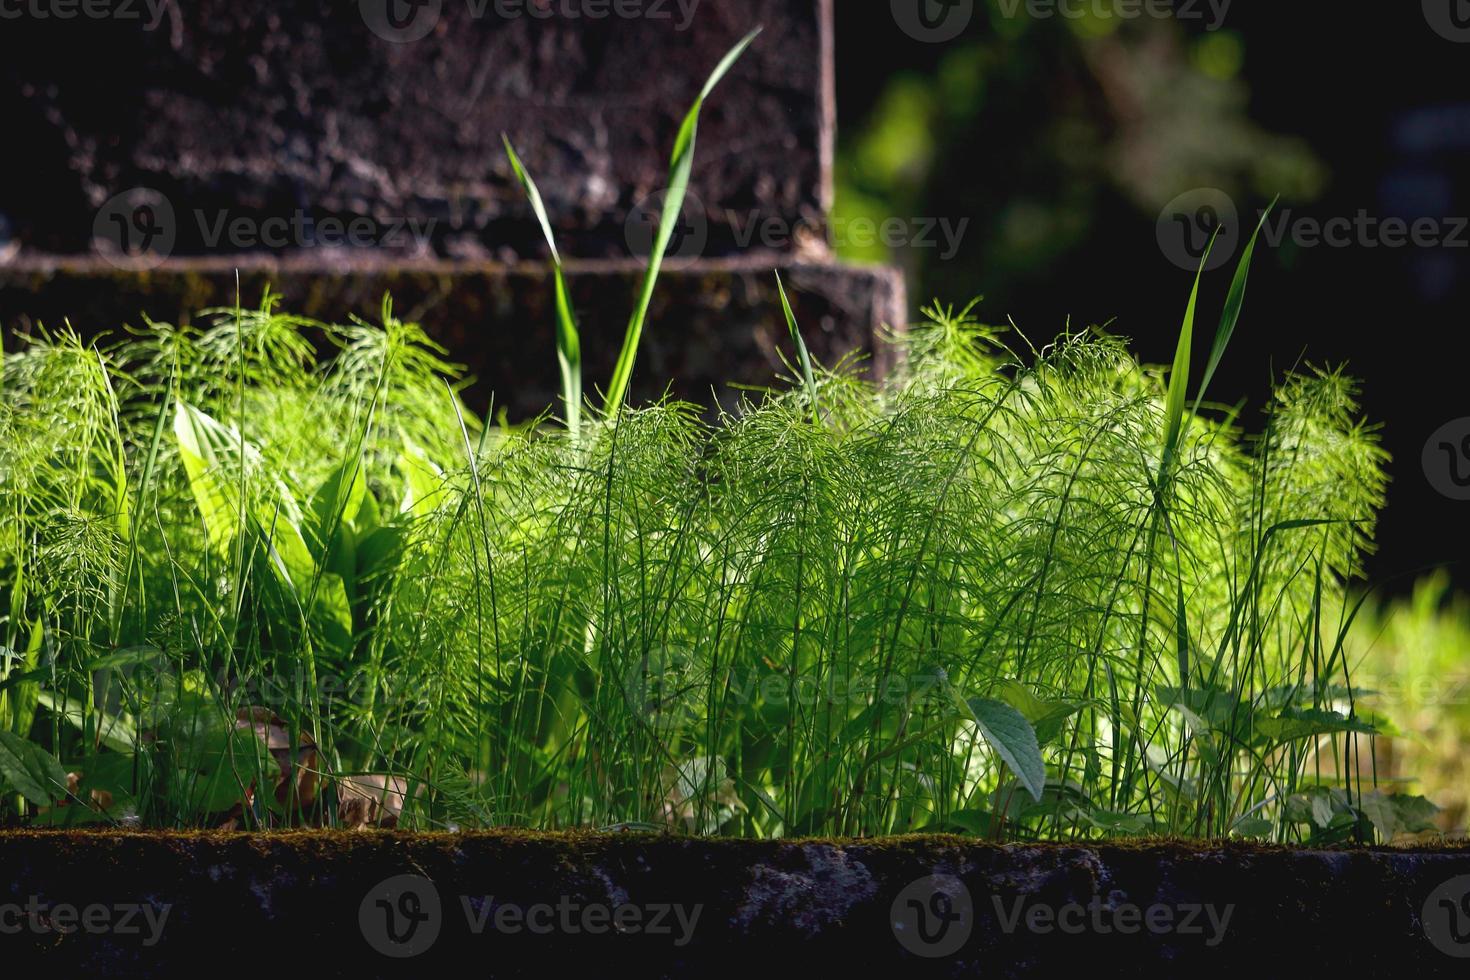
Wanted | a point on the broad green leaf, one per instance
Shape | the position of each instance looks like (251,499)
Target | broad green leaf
(99,727)
(1046,716)
(1013,739)
(1252,827)
(338,501)
(31,771)
(204,445)
(423,481)
(1294,723)
(1395,814)
(21,702)
(1113,822)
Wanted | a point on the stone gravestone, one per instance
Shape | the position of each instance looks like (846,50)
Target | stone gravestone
(340,151)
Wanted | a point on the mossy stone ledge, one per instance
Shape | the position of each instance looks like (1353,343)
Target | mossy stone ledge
(536,904)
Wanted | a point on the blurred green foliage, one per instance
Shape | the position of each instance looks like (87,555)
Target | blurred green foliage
(1414,655)
(1043,133)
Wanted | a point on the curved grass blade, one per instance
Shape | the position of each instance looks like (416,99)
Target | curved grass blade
(568,339)
(680,169)
(1179,373)
(1233,303)
(804,356)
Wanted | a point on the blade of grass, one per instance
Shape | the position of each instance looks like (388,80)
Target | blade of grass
(568,339)
(804,357)
(680,169)
(1233,303)
(1179,374)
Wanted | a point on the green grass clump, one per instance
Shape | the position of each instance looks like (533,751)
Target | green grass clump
(1037,595)
(242,580)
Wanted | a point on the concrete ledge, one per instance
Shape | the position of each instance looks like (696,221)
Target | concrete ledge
(546,904)
(714,322)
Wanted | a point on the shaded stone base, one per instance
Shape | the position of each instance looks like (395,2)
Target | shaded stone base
(714,323)
(545,905)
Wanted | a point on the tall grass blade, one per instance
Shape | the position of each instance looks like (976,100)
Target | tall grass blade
(568,339)
(803,355)
(1233,303)
(680,169)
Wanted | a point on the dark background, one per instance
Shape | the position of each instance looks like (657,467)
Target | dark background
(1063,141)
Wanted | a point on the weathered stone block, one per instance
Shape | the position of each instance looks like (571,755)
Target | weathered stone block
(241,110)
(716,323)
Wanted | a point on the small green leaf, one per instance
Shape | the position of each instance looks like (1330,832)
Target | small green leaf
(110,730)
(1252,827)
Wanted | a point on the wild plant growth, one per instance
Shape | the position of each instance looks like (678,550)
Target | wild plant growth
(268,572)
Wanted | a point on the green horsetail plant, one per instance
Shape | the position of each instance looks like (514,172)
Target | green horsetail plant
(246,583)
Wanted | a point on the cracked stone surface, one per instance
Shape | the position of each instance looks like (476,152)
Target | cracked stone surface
(714,324)
(261,109)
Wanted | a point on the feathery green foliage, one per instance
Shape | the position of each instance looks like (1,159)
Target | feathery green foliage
(958,599)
